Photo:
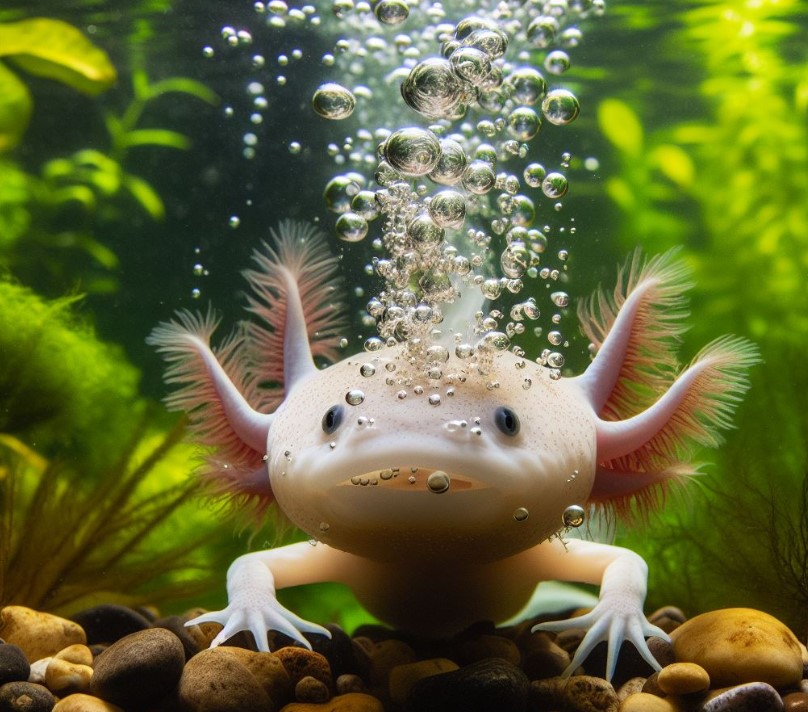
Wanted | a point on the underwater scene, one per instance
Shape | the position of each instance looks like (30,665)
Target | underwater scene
(403,355)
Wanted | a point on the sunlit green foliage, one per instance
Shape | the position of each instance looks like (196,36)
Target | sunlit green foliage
(732,185)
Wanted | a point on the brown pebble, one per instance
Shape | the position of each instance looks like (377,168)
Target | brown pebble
(645,702)
(267,669)
(350,683)
(64,678)
(584,693)
(25,697)
(84,703)
(669,618)
(78,654)
(542,657)
(737,645)
(488,646)
(403,677)
(300,662)
(795,702)
(352,702)
(40,635)
(630,687)
(386,655)
(651,685)
(215,681)
(310,689)
(751,697)
(683,679)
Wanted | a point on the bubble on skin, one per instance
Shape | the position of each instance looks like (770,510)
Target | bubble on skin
(367,370)
(333,101)
(412,151)
(573,516)
(355,397)
(437,482)
(520,514)
(560,107)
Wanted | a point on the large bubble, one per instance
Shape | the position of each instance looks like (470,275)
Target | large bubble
(412,151)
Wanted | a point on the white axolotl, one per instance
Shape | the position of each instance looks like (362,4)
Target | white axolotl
(442,502)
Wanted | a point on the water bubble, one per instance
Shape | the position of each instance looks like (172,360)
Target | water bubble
(333,101)
(527,84)
(412,151)
(573,516)
(542,30)
(523,123)
(557,62)
(534,174)
(554,185)
(367,370)
(234,221)
(433,89)
(471,64)
(438,482)
(324,527)
(208,52)
(434,399)
(354,397)
(364,204)
(520,514)
(391,12)
(492,41)
(373,343)
(451,164)
(560,107)
(423,230)
(515,260)
(340,190)
(491,288)
(464,351)
(351,227)
(448,208)
(494,341)
(479,178)
(196,293)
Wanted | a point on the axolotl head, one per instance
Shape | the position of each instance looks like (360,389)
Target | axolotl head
(480,467)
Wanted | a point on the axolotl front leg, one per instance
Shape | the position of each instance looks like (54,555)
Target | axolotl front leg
(253,579)
(618,615)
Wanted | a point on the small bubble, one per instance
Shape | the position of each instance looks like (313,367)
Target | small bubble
(554,185)
(355,397)
(573,516)
(208,52)
(412,151)
(195,293)
(351,227)
(557,62)
(434,399)
(333,101)
(438,482)
(324,527)
(391,12)
(560,107)
(560,299)
(295,148)
(367,370)
(520,514)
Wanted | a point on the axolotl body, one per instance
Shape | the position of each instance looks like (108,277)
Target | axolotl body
(444,501)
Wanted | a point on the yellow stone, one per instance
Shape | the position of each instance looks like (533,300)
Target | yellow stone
(683,679)
(79,654)
(84,703)
(645,702)
(738,645)
(40,635)
(403,677)
(352,702)
(63,677)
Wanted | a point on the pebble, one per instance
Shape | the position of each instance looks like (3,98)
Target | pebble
(154,654)
(737,645)
(580,693)
(79,654)
(541,656)
(487,686)
(176,625)
(216,681)
(349,683)
(25,697)
(488,646)
(84,703)
(338,650)
(403,677)
(14,666)
(751,697)
(683,679)
(310,689)
(386,655)
(796,702)
(40,635)
(109,622)
(300,662)
(352,702)
(267,668)
(645,702)
(630,687)
(64,678)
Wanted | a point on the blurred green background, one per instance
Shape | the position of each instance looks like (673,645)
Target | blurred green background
(119,178)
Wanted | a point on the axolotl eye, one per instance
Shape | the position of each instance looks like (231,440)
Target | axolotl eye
(507,421)
(332,419)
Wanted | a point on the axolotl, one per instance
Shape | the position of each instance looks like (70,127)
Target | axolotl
(441,502)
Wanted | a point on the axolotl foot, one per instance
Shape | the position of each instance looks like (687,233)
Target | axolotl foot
(613,620)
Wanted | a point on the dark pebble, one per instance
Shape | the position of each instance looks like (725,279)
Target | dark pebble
(109,622)
(300,663)
(215,681)
(139,669)
(13,664)
(338,650)
(176,625)
(629,663)
(751,697)
(490,685)
(25,697)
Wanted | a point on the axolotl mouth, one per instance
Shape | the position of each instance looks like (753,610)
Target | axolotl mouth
(415,479)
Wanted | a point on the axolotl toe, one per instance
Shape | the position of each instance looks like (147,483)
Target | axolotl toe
(441,498)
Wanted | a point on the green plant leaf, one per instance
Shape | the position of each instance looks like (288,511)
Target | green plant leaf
(145,195)
(675,164)
(184,85)
(15,108)
(156,137)
(621,126)
(54,49)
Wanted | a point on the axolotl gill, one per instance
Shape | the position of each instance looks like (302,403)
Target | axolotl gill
(443,502)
